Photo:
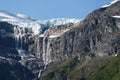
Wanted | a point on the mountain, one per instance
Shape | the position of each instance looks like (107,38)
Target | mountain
(36,45)
(21,38)
(95,40)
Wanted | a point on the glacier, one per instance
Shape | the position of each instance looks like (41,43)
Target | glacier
(37,26)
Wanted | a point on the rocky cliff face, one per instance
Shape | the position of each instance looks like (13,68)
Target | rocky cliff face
(31,50)
(97,35)
(13,70)
(35,47)
(15,44)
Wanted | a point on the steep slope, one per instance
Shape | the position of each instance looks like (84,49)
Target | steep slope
(97,36)
(21,38)
(110,71)
(37,44)
(106,68)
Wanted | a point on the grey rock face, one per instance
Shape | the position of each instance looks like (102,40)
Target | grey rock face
(97,35)
(19,44)
(12,70)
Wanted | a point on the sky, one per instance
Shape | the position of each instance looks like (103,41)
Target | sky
(48,9)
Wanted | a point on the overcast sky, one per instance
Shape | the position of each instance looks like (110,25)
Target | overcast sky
(47,9)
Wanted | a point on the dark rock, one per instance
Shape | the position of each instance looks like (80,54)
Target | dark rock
(13,70)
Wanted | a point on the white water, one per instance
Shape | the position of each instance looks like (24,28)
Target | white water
(39,75)
(44,52)
(44,55)
(38,47)
(19,33)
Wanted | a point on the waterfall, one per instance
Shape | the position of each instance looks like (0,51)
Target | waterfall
(48,56)
(44,55)
(44,51)
(38,47)
(19,33)
(39,75)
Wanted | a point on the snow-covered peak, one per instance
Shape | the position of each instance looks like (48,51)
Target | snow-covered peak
(59,21)
(111,3)
(8,16)
(2,14)
(21,15)
(37,26)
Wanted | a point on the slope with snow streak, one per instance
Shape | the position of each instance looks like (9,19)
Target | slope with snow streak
(9,15)
(111,3)
(5,15)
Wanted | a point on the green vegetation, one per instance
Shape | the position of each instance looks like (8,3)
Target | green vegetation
(61,71)
(107,68)
(110,71)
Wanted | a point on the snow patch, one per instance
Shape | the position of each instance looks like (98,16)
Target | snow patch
(111,3)
(58,34)
(42,35)
(53,36)
(20,15)
(5,15)
(116,16)
(59,21)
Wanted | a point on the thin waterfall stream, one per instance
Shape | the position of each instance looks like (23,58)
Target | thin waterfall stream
(19,34)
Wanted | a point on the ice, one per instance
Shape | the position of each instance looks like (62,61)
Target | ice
(116,16)
(37,26)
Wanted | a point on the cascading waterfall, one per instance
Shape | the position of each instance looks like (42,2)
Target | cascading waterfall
(48,56)
(44,56)
(38,47)
(46,53)
(19,33)
(39,75)
(38,55)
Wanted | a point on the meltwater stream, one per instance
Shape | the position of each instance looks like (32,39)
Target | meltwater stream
(19,33)
(44,56)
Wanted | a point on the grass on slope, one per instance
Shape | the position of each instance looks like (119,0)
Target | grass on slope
(107,68)
(110,71)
